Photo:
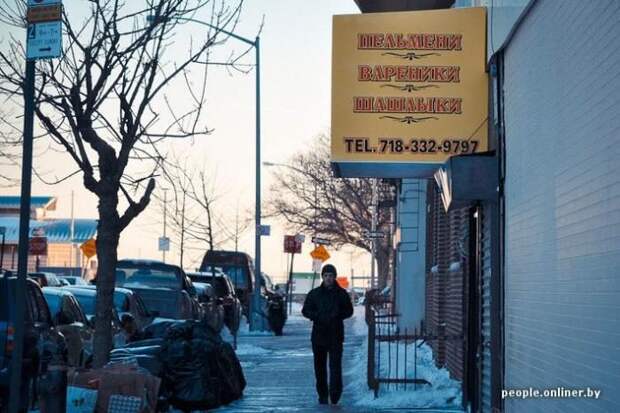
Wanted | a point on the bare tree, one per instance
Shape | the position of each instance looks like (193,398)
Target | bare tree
(107,103)
(195,217)
(215,229)
(310,199)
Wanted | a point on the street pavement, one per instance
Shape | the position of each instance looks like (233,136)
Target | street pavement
(280,373)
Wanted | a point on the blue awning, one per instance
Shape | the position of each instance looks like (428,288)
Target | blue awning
(57,231)
(13,202)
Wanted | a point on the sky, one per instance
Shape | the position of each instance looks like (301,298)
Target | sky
(296,92)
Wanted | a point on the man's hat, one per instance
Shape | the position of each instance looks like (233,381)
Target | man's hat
(328,268)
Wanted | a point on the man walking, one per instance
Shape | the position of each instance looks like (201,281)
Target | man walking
(327,305)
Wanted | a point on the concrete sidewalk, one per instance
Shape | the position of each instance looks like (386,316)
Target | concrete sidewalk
(280,372)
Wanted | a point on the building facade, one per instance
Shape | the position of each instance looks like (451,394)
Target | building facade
(64,236)
(523,242)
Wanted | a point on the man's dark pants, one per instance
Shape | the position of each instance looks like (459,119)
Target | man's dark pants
(321,352)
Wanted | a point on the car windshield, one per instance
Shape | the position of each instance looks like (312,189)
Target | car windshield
(120,302)
(142,310)
(53,302)
(219,285)
(237,275)
(147,277)
(87,302)
(75,280)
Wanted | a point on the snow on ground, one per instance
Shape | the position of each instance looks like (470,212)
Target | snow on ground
(296,312)
(244,330)
(244,349)
(359,327)
(444,392)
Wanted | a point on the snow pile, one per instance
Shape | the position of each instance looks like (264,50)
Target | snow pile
(244,329)
(444,392)
(250,350)
(359,327)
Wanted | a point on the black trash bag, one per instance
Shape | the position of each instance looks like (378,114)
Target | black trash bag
(200,371)
(181,330)
(230,374)
(188,376)
(160,328)
(276,314)
(202,330)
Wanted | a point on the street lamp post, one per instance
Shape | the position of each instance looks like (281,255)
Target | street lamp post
(255,302)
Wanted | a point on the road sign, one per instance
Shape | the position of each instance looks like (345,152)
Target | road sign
(37,246)
(164,244)
(291,244)
(42,2)
(320,253)
(265,230)
(321,241)
(44,40)
(316,265)
(44,13)
(374,234)
(89,248)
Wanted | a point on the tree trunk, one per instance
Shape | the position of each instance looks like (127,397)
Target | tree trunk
(108,235)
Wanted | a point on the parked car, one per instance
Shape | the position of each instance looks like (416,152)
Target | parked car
(127,302)
(87,298)
(70,320)
(224,290)
(45,279)
(212,308)
(164,288)
(44,346)
(73,280)
(240,269)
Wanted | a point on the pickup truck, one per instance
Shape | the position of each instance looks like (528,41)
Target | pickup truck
(164,288)
(239,268)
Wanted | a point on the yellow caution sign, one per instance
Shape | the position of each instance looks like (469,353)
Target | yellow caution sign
(320,253)
(89,248)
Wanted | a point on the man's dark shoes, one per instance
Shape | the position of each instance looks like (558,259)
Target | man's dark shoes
(322,400)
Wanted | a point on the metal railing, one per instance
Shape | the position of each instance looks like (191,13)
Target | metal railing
(384,337)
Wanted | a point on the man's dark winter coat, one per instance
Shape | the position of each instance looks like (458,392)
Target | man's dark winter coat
(327,307)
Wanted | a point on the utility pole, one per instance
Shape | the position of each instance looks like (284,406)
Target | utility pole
(256,323)
(182,231)
(373,226)
(72,237)
(314,234)
(163,252)
(24,228)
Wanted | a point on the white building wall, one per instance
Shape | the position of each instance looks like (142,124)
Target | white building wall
(411,254)
(562,283)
